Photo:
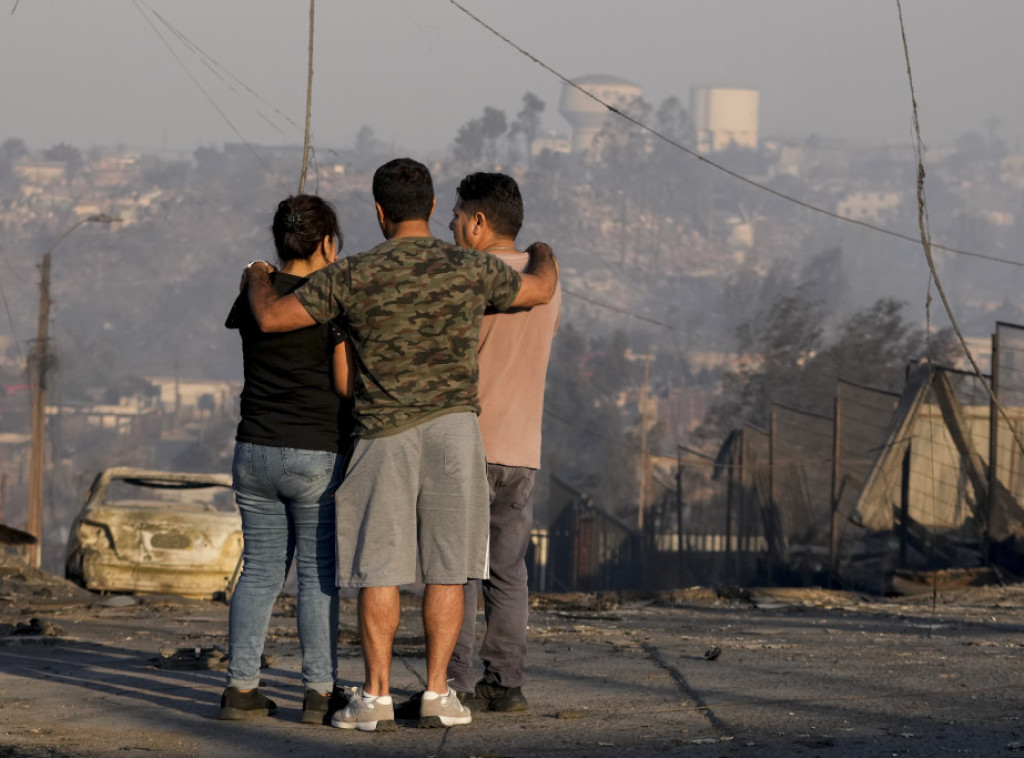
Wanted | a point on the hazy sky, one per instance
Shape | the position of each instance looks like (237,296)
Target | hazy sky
(96,72)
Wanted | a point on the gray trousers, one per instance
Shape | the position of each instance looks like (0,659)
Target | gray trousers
(506,595)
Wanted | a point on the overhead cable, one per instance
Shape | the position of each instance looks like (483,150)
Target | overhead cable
(617,309)
(216,68)
(607,306)
(703,159)
(7,306)
(591,432)
(926,243)
(202,89)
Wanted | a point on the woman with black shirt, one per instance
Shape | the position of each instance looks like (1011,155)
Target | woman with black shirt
(289,457)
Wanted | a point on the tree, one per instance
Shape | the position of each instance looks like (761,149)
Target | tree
(86,364)
(674,122)
(368,149)
(165,174)
(469,143)
(785,359)
(874,345)
(7,175)
(824,275)
(477,140)
(585,443)
(494,124)
(527,123)
(620,143)
(12,149)
(366,140)
(773,351)
(67,154)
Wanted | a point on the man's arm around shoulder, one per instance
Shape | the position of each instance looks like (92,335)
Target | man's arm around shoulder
(539,278)
(273,312)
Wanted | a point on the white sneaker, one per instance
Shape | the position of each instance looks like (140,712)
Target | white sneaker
(375,716)
(443,710)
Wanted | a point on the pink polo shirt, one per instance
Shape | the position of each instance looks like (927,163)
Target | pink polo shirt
(514,350)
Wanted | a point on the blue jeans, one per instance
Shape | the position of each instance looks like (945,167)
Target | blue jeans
(286,498)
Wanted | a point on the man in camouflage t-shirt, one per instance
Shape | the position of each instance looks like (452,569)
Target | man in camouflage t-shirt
(415,336)
(415,495)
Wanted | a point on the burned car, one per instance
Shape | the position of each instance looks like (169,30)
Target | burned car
(156,532)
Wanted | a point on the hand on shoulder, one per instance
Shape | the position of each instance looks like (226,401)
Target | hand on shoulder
(256,268)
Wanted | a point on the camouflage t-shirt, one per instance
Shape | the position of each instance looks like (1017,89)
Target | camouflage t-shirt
(412,308)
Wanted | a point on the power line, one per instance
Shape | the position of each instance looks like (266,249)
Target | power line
(926,243)
(220,71)
(202,89)
(216,68)
(591,432)
(7,305)
(212,65)
(434,220)
(617,310)
(713,164)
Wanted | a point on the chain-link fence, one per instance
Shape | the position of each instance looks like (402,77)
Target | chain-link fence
(800,486)
(862,419)
(890,485)
(1007,461)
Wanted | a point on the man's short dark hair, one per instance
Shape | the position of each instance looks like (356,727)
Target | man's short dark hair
(497,197)
(404,190)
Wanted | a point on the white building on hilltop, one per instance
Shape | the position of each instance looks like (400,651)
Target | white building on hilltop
(724,116)
(586,115)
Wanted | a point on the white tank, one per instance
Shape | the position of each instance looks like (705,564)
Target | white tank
(584,114)
(724,116)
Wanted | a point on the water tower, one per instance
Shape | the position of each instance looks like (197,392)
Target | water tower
(724,116)
(587,116)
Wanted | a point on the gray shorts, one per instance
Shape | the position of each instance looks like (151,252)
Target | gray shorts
(415,499)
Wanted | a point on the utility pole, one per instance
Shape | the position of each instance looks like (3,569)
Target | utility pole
(309,99)
(679,515)
(39,358)
(39,363)
(645,473)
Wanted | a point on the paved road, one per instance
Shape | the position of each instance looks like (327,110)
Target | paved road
(794,673)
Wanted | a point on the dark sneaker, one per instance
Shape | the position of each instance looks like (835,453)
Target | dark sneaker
(471,701)
(494,697)
(238,706)
(318,708)
(443,710)
(378,716)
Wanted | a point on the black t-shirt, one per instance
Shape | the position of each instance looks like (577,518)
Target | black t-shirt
(288,399)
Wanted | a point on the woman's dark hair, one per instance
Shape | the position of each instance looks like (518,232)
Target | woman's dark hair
(300,225)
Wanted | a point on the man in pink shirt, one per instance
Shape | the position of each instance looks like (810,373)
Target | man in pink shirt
(513,353)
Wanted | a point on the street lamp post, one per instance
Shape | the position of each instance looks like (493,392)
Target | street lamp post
(39,360)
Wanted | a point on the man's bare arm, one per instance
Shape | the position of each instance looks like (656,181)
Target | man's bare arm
(274,313)
(539,278)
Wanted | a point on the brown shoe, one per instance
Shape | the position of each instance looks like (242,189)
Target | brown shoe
(317,707)
(238,706)
(494,697)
